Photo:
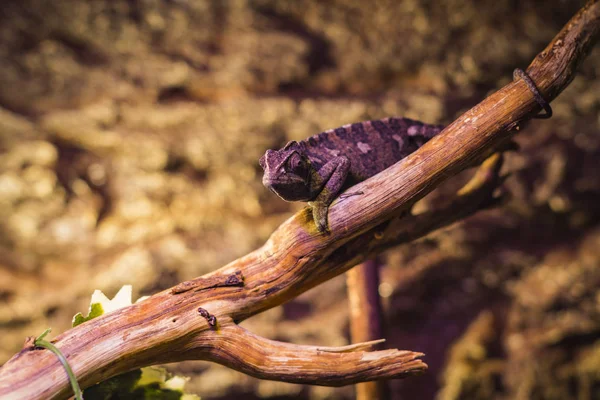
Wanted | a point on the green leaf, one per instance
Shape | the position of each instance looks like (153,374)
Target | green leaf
(96,310)
(150,383)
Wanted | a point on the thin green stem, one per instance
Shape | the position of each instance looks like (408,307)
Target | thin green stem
(40,342)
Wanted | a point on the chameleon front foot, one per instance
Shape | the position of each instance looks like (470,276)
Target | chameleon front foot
(319,211)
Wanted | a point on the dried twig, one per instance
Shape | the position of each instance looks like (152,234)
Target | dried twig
(167,327)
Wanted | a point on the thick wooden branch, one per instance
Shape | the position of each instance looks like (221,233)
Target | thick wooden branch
(168,326)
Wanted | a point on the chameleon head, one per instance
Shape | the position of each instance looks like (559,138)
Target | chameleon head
(288,174)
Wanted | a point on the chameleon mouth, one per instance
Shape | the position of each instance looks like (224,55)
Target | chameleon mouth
(288,190)
(287,180)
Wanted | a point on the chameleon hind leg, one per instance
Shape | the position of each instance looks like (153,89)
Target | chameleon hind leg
(519,73)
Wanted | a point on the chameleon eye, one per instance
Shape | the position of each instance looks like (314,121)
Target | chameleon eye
(295,163)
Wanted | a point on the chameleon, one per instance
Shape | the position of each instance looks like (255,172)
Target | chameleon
(317,169)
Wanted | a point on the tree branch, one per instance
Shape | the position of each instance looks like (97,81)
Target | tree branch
(167,327)
(267,359)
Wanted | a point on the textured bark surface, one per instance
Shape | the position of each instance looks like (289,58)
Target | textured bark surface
(131,132)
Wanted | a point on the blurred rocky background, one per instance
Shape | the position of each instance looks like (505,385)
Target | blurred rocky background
(129,138)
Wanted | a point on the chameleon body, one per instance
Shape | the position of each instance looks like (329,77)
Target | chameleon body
(317,169)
